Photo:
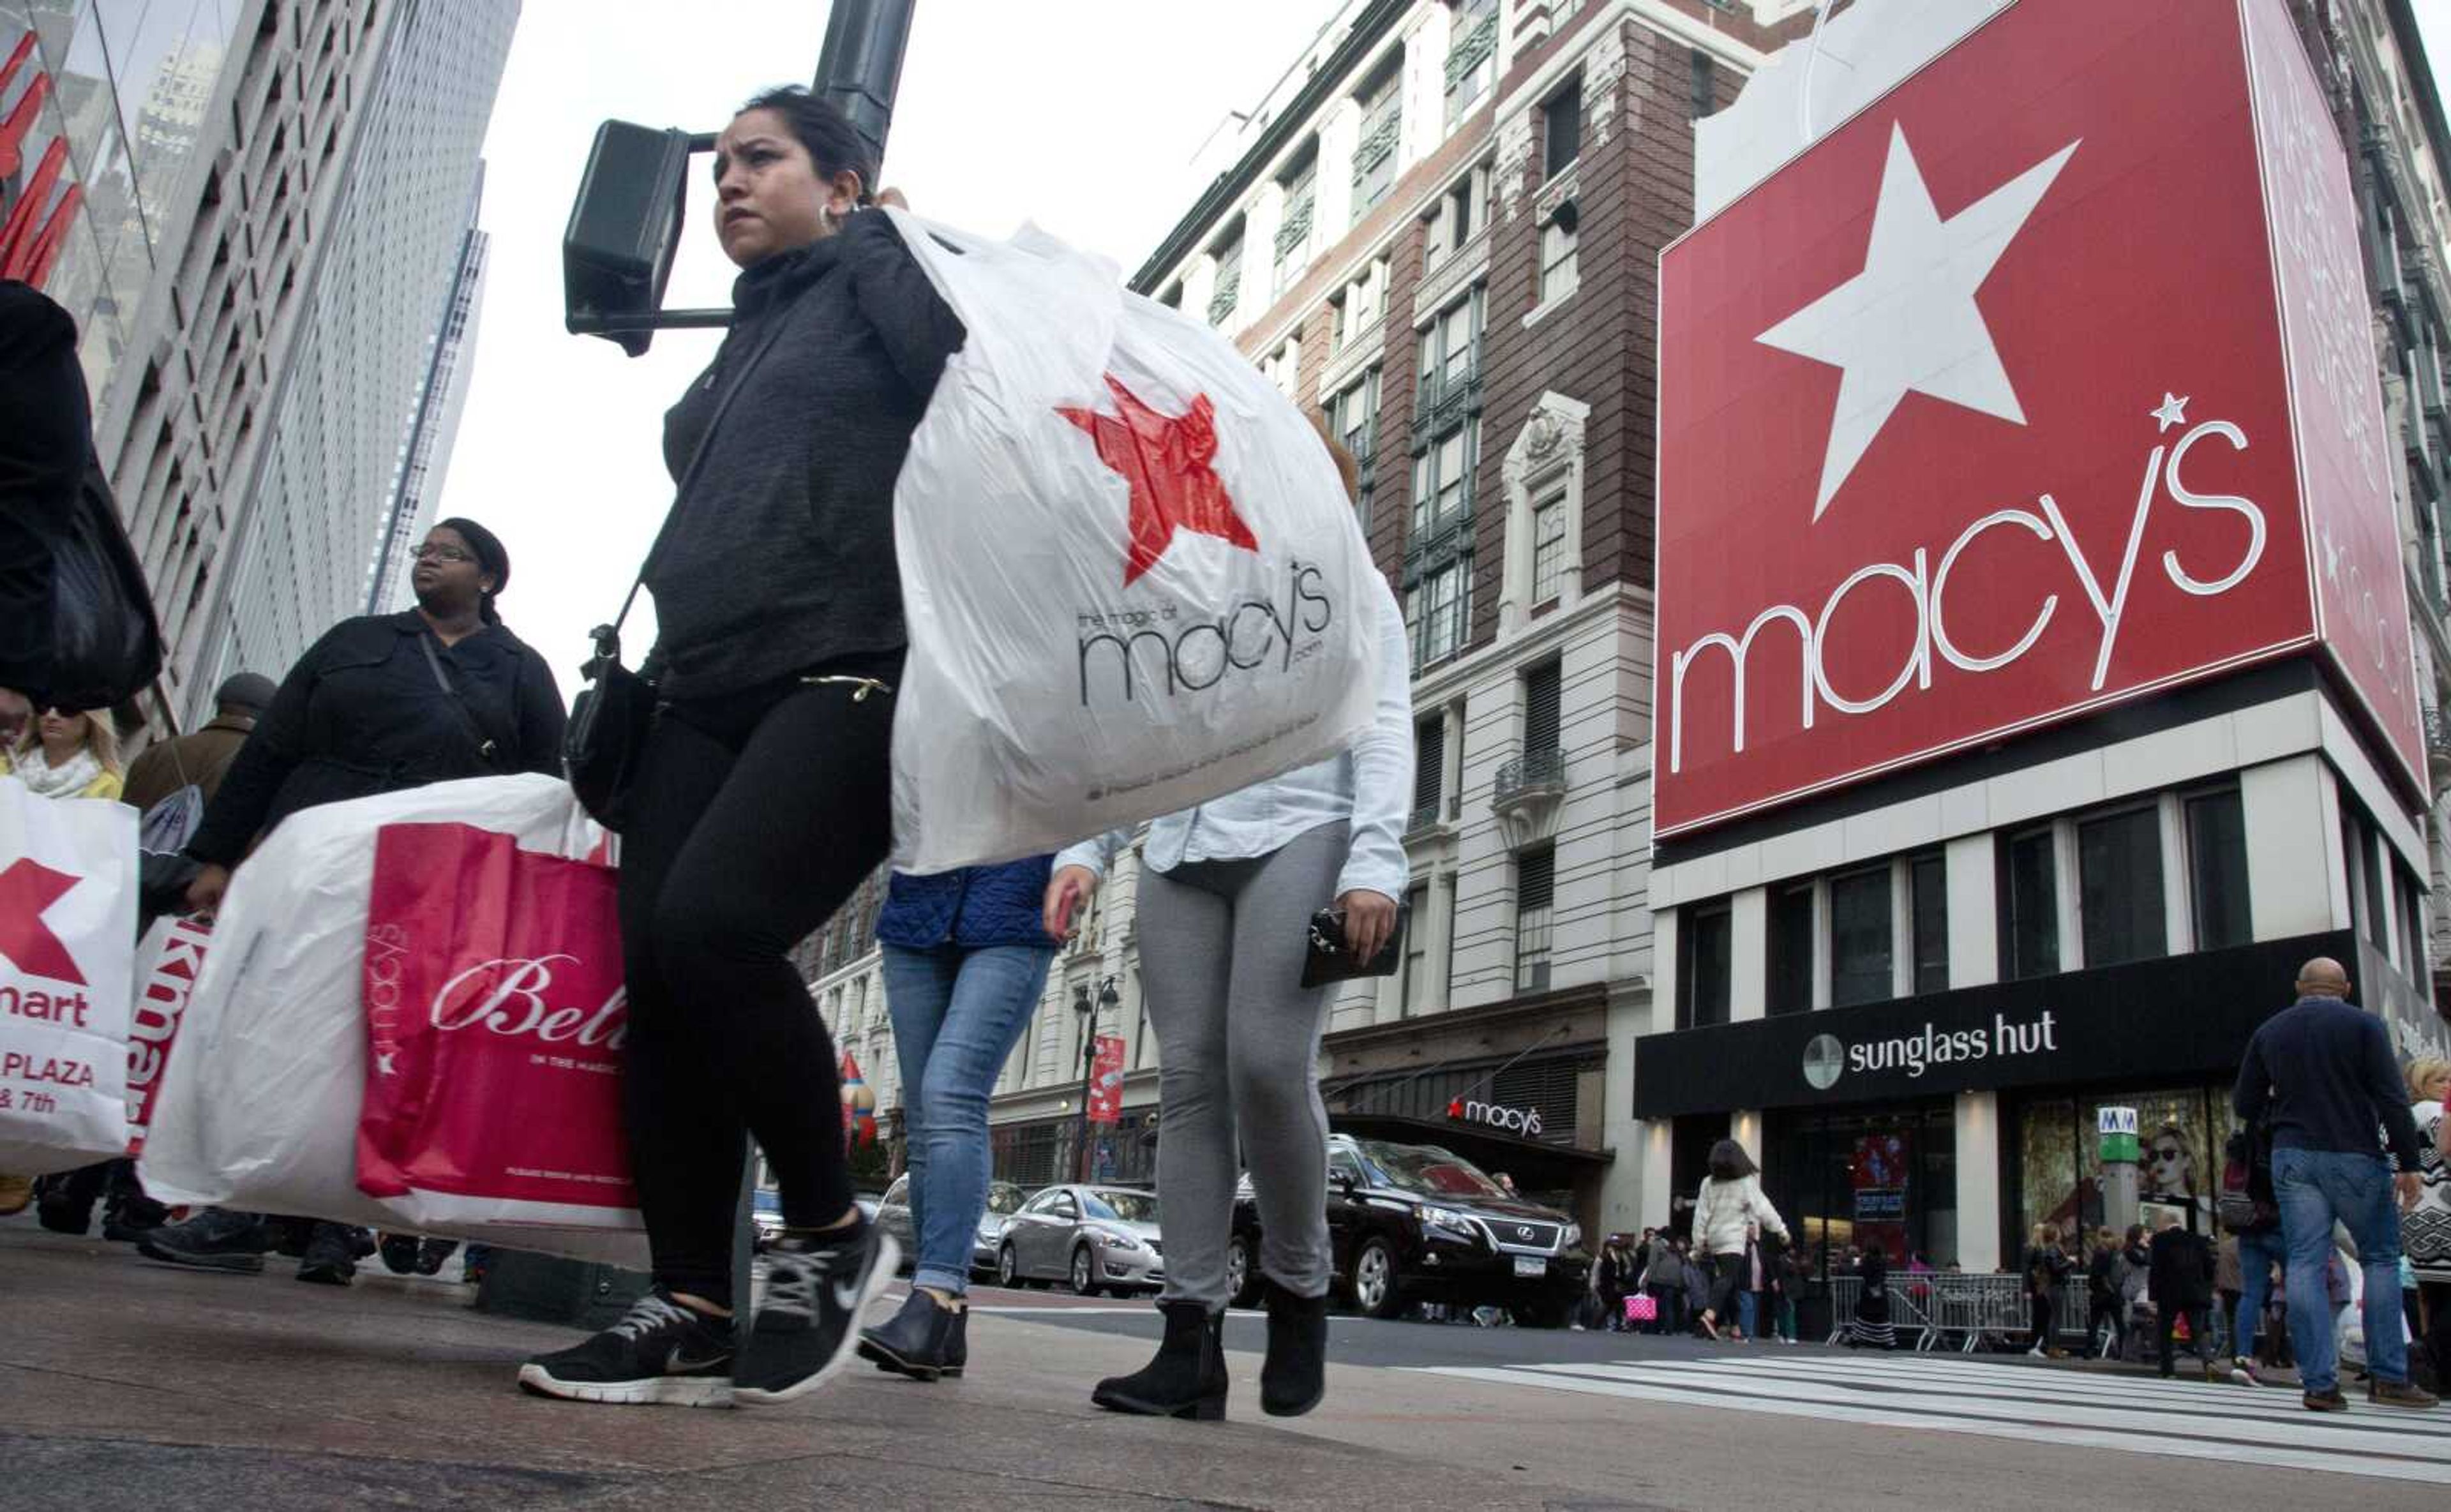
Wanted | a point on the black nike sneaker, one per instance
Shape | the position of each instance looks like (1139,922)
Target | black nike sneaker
(815,1287)
(660,1352)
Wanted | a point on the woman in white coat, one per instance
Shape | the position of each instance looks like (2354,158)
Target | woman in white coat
(1728,1211)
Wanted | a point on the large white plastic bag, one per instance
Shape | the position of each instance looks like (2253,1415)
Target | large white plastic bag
(258,1106)
(68,947)
(1020,726)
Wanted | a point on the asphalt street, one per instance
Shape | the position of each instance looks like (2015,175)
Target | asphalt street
(127,1384)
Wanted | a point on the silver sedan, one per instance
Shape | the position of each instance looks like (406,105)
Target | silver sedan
(1094,1238)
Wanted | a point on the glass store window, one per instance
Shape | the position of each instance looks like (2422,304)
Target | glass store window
(1861,948)
(1704,970)
(1791,949)
(2181,1133)
(1860,1178)
(2217,870)
(2119,887)
(2030,906)
(1928,885)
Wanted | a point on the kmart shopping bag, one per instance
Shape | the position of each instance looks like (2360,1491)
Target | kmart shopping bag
(67,942)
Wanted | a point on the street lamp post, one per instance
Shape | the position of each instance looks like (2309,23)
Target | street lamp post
(1088,1011)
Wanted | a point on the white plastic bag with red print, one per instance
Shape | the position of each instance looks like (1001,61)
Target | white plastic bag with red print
(261,1105)
(68,928)
(168,960)
(495,1016)
(1130,575)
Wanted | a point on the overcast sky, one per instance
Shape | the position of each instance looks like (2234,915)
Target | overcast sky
(1080,114)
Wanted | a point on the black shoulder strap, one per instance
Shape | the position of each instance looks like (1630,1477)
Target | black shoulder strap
(486,747)
(689,475)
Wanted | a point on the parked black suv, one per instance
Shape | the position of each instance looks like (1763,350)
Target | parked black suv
(1416,1223)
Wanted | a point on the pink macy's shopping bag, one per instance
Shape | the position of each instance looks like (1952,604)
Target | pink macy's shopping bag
(495,1018)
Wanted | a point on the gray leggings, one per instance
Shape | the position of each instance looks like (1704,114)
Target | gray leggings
(1221,947)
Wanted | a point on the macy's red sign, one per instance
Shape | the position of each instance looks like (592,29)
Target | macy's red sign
(37,224)
(2045,381)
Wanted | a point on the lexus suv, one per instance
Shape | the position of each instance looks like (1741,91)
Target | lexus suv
(1418,1223)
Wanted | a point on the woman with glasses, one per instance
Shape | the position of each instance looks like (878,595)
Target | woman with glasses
(67,754)
(382,702)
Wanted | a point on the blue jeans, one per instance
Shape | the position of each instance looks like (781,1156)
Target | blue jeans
(1746,1309)
(2257,1254)
(957,1014)
(2314,1187)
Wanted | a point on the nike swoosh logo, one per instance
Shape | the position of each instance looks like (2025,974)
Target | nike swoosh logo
(847,1293)
(675,1364)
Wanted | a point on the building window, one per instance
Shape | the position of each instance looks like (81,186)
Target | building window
(1791,949)
(1450,351)
(2030,906)
(1548,547)
(1462,214)
(2119,887)
(1561,267)
(1294,241)
(2217,870)
(1360,306)
(1436,612)
(1429,768)
(1928,898)
(2421,952)
(1416,979)
(1230,279)
(1561,128)
(1283,367)
(1542,686)
(1706,84)
(1703,984)
(1353,419)
(1382,123)
(1536,877)
(2378,920)
(1861,947)
(1472,57)
(1442,481)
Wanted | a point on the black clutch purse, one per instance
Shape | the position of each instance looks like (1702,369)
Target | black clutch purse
(1328,960)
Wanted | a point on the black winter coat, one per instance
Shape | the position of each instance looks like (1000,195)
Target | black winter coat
(360,713)
(2181,1274)
(784,557)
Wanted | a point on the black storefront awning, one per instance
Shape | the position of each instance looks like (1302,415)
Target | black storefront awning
(1533,1163)
(2179,1015)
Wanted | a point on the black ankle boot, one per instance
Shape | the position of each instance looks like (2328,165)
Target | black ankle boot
(958,1344)
(1295,1376)
(918,1342)
(1188,1378)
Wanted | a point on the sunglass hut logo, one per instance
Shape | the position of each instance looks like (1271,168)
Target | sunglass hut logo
(1826,1057)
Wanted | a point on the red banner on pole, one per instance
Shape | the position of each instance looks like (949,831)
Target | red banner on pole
(1106,1081)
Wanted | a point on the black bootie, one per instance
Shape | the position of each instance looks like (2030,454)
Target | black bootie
(918,1342)
(1295,1376)
(1188,1378)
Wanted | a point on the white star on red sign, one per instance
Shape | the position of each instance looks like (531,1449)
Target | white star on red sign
(1908,323)
(2173,411)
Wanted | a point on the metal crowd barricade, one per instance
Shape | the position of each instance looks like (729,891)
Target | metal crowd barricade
(1972,1310)
(1911,1303)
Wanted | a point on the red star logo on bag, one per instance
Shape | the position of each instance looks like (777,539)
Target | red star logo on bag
(1165,458)
(28,888)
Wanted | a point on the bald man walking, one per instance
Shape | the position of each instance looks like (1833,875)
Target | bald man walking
(2319,1077)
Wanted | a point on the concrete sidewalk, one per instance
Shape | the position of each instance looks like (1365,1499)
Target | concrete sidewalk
(129,1385)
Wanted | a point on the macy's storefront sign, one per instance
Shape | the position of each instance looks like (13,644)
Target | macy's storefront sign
(1996,407)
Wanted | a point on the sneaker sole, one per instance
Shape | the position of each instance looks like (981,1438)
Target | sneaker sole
(658,1391)
(880,1275)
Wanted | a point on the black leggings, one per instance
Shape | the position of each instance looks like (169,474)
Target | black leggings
(758,816)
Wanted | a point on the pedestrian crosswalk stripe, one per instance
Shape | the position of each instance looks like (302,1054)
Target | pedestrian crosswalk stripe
(2190,1421)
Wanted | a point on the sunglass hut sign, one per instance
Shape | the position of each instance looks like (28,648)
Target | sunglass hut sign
(2000,405)
(1830,1059)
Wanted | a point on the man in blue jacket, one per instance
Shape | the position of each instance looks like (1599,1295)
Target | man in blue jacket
(2320,1074)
